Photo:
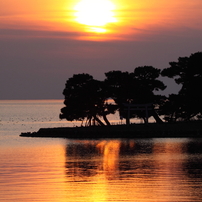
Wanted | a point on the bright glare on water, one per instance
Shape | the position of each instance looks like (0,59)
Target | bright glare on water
(60,170)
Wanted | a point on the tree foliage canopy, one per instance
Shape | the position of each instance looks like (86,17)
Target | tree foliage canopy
(187,72)
(86,98)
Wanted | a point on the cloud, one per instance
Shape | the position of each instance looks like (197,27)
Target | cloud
(41,47)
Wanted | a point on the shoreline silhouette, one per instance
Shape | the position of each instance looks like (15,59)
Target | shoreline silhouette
(151,130)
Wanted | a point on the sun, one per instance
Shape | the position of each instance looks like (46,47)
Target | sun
(95,14)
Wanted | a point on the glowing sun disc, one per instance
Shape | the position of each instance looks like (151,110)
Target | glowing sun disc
(95,12)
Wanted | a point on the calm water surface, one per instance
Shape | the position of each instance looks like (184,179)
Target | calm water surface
(45,169)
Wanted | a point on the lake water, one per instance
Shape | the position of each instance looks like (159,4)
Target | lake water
(61,170)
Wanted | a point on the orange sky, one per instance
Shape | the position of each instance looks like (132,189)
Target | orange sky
(134,19)
(44,42)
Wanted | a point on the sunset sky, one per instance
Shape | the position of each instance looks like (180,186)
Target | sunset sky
(44,42)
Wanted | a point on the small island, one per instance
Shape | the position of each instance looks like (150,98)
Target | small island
(150,130)
(133,95)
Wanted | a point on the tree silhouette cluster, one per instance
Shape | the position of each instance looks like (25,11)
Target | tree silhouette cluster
(87,99)
(187,104)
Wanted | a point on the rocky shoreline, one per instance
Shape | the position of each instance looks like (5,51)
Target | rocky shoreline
(151,130)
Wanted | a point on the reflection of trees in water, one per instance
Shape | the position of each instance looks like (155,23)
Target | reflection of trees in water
(194,168)
(135,159)
(162,168)
(132,147)
(122,159)
(113,158)
(83,149)
(81,160)
(194,147)
(193,165)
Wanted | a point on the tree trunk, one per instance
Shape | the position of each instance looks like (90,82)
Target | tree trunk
(145,120)
(156,117)
(88,122)
(127,121)
(106,120)
(99,121)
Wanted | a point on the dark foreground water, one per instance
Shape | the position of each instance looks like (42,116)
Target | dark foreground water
(62,170)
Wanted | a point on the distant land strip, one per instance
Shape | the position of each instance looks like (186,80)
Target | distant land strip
(152,130)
